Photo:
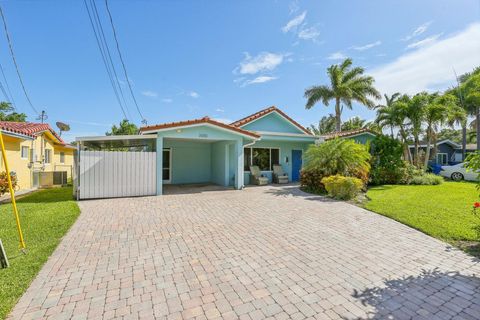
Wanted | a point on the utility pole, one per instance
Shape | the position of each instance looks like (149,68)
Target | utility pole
(43,116)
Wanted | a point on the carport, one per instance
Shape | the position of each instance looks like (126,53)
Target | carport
(201,151)
(115,166)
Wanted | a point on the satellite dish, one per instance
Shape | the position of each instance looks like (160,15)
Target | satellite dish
(62,127)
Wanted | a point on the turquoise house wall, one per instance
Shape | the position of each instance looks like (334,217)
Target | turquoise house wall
(273,123)
(191,161)
(363,138)
(285,151)
(220,165)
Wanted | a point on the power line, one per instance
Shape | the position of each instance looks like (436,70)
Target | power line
(106,50)
(123,64)
(8,96)
(15,61)
(109,72)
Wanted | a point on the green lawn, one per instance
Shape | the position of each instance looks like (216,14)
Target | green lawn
(442,211)
(45,217)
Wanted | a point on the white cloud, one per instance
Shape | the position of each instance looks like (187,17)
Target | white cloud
(337,56)
(424,42)
(295,22)
(418,31)
(193,94)
(167,100)
(223,120)
(220,110)
(150,94)
(367,46)
(431,67)
(260,79)
(310,33)
(264,61)
(293,6)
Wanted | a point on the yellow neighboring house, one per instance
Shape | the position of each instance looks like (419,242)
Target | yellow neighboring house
(36,154)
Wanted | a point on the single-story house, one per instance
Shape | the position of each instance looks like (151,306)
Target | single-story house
(448,152)
(36,153)
(195,151)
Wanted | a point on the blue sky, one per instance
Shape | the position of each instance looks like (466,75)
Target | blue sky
(227,59)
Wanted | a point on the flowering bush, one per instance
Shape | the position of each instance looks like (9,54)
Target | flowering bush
(343,188)
(4,182)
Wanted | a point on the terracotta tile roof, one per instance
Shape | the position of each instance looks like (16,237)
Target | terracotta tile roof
(250,118)
(29,129)
(197,121)
(349,133)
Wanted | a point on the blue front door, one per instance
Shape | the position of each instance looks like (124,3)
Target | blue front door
(296,164)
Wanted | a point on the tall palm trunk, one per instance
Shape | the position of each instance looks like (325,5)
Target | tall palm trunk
(338,115)
(464,140)
(406,150)
(417,147)
(427,152)
(391,131)
(477,116)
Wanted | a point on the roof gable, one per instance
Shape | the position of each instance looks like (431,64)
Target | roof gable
(196,122)
(29,129)
(270,119)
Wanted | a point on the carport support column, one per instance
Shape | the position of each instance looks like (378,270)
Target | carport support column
(159,165)
(239,172)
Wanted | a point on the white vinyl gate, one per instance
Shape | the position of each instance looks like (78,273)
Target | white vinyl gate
(111,174)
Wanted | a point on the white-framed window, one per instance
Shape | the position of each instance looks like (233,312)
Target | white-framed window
(24,152)
(48,156)
(62,157)
(264,158)
(442,158)
(33,156)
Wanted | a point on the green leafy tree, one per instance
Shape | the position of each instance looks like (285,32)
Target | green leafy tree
(416,115)
(7,113)
(387,164)
(347,85)
(354,123)
(394,116)
(124,128)
(325,125)
(386,109)
(470,90)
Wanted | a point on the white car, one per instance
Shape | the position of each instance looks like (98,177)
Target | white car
(458,172)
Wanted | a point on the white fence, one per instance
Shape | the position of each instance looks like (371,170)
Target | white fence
(111,174)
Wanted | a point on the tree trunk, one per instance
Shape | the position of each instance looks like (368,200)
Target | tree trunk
(391,131)
(477,116)
(417,146)
(338,115)
(464,141)
(427,152)
(406,149)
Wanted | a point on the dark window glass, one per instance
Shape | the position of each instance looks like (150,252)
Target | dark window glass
(275,154)
(247,159)
(261,158)
(166,174)
(166,159)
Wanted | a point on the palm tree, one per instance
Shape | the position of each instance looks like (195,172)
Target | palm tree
(434,116)
(394,116)
(388,103)
(471,92)
(354,123)
(415,114)
(347,85)
(325,125)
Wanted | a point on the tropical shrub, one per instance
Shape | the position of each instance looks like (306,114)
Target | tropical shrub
(427,179)
(409,171)
(387,164)
(339,156)
(4,182)
(311,180)
(342,188)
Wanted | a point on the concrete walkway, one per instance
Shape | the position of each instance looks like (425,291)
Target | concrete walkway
(264,252)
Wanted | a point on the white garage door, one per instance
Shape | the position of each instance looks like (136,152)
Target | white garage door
(111,174)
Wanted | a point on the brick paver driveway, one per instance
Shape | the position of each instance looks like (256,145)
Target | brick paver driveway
(264,252)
